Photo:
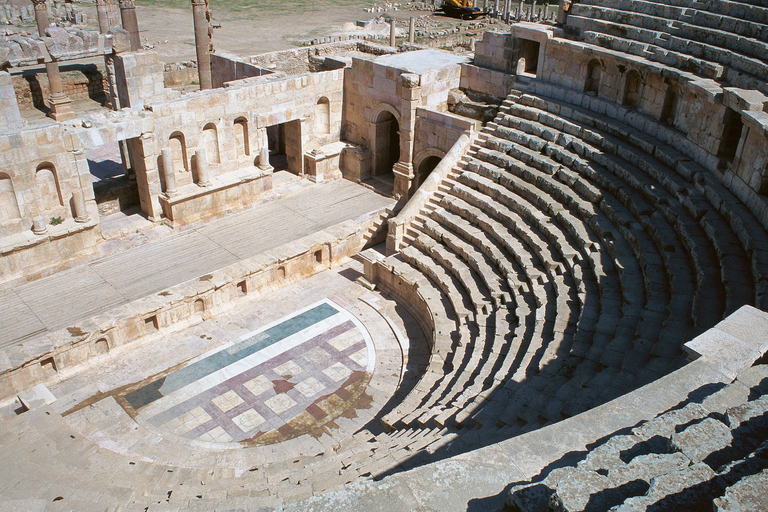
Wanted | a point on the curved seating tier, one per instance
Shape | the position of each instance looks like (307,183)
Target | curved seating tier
(718,40)
(581,253)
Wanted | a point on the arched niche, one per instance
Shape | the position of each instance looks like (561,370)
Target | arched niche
(9,206)
(49,189)
(211,143)
(241,137)
(633,89)
(323,116)
(178,145)
(594,75)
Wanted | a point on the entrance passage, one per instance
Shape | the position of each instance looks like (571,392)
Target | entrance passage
(386,151)
(425,169)
(285,148)
(114,191)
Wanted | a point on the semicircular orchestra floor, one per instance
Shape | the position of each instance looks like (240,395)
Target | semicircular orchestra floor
(316,360)
(275,383)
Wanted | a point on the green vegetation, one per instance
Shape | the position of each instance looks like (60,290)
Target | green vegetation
(55,221)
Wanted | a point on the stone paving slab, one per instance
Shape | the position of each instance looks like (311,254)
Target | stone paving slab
(61,299)
(19,321)
(77,292)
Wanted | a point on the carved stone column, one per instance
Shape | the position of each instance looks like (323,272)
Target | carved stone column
(203,177)
(202,43)
(168,174)
(130,23)
(102,12)
(59,103)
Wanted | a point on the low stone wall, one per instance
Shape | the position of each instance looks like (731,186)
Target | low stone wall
(61,352)
(181,76)
(228,193)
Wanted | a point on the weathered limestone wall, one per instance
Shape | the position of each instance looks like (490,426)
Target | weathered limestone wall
(376,95)
(139,77)
(486,81)
(10,117)
(148,318)
(229,126)
(59,44)
(44,177)
(80,82)
(226,68)
(436,133)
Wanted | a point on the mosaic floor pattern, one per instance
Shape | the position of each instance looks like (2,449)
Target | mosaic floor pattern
(285,379)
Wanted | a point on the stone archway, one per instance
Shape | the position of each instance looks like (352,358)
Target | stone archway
(424,163)
(386,139)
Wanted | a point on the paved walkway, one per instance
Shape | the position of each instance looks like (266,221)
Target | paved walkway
(56,301)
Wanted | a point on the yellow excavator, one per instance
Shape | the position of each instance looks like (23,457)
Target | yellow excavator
(461,9)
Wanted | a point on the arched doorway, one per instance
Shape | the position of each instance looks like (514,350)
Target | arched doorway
(386,151)
(425,168)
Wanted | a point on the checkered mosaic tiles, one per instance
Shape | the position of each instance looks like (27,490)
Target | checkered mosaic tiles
(278,382)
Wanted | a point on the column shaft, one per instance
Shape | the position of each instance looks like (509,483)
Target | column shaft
(202,44)
(130,23)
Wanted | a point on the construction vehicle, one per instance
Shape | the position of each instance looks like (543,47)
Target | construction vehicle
(461,9)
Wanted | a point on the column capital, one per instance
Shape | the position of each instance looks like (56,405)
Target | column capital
(127,4)
(40,5)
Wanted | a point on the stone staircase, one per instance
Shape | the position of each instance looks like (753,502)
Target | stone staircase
(708,453)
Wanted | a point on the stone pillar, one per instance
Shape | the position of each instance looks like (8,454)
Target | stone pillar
(411,100)
(264,158)
(202,44)
(392,33)
(412,30)
(38,226)
(507,4)
(533,10)
(102,11)
(520,11)
(546,12)
(130,24)
(168,174)
(59,103)
(496,8)
(78,202)
(202,168)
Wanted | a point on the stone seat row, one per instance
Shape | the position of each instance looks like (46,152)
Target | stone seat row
(634,301)
(697,189)
(705,453)
(688,19)
(752,10)
(663,233)
(702,59)
(530,354)
(672,228)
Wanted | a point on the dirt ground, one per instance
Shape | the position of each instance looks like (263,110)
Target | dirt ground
(170,30)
